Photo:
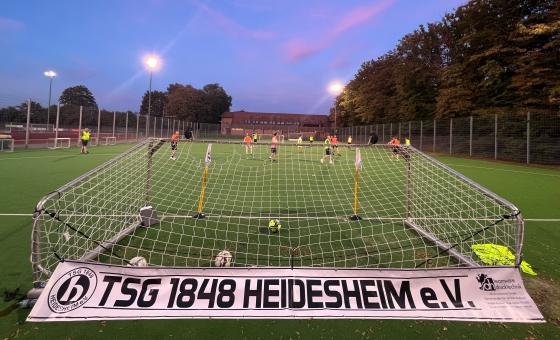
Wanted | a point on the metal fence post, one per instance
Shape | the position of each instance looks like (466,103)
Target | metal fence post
(528,137)
(409,130)
(434,143)
(161,128)
(383,130)
(80,124)
(137,125)
(391,130)
(400,137)
(126,128)
(155,126)
(451,136)
(495,136)
(147,123)
(421,133)
(114,120)
(27,124)
(57,119)
(470,136)
(98,125)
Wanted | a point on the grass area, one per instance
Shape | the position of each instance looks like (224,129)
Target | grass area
(26,176)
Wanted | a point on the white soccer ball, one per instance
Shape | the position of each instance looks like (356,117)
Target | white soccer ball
(138,261)
(223,259)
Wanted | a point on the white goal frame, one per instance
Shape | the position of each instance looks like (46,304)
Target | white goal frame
(10,147)
(111,140)
(420,224)
(54,143)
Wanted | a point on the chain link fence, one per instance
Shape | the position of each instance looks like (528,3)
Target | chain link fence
(527,138)
(26,126)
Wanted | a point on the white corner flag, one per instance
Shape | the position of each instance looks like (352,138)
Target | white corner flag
(208,157)
(358,160)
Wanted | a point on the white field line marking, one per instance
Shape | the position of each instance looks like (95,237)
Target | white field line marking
(297,217)
(58,156)
(507,170)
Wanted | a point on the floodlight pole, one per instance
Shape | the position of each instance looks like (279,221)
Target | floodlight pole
(27,123)
(126,128)
(98,125)
(149,106)
(80,124)
(56,131)
(114,120)
(49,107)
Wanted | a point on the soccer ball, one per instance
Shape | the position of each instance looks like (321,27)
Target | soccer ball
(223,259)
(138,261)
(274,225)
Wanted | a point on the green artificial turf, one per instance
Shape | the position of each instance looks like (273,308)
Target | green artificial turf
(25,176)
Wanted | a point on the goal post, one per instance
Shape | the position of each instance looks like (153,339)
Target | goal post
(6,144)
(110,140)
(59,143)
(415,212)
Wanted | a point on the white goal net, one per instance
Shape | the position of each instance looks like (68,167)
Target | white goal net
(58,143)
(413,212)
(110,140)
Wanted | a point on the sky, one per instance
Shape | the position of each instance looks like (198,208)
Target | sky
(270,56)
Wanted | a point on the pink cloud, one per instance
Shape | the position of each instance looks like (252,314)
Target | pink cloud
(232,27)
(11,24)
(298,49)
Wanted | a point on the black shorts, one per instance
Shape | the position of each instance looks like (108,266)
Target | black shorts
(84,142)
(328,152)
(395,150)
(273,150)
(173,145)
(254,140)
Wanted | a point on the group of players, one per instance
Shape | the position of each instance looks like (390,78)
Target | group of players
(330,145)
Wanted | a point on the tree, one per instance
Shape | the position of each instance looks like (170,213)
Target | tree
(77,95)
(158,102)
(187,103)
(218,102)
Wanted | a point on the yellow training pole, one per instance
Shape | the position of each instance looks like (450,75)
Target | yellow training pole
(356,177)
(203,190)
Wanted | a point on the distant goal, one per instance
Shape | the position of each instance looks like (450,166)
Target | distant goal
(110,140)
(412,211)
(59,143)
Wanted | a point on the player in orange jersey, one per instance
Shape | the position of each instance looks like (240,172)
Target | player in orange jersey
(396,146)
(174,141)
(248,144)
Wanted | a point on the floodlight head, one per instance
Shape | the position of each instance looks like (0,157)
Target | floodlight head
(152,62)
(336,88)
(50,73)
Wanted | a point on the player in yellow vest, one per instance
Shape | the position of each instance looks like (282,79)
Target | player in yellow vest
(85,140)
(311,139)
(328,151)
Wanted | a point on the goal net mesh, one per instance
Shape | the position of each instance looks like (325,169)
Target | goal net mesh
(411,208)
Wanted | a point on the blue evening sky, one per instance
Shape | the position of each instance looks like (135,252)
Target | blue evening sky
(271,56)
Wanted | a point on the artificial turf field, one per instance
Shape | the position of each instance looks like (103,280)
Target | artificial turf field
(27,175)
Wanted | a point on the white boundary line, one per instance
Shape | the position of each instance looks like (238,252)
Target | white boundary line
(293,217)
(58,156)
(506,170)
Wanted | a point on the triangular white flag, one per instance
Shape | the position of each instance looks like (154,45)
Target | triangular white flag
(358,160)
(208,157)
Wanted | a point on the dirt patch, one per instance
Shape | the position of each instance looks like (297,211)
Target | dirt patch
(546,294)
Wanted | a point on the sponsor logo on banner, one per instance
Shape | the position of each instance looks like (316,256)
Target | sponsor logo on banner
(72,290)
(80,291)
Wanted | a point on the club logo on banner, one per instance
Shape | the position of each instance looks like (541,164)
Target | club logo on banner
(72,290)
(80,291)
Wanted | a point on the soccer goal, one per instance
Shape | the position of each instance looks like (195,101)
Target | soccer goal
(59,143)
(110,140)
(374,207)
(6,144)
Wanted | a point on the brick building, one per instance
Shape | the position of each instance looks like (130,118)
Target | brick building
(239,122)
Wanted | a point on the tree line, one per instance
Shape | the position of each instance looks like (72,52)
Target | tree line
(185,102)
(180,102)
(488,57)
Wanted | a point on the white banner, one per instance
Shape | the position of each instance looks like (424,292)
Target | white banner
(85,291)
